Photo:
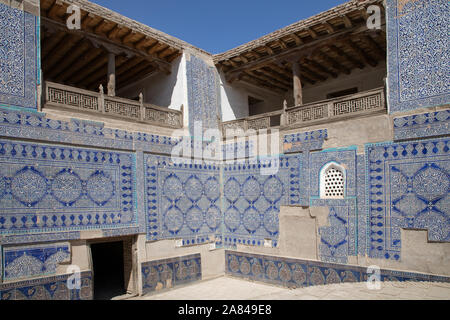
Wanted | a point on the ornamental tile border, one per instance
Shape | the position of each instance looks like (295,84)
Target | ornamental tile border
(423,125)
(170,272)
(298,273)
(48,288)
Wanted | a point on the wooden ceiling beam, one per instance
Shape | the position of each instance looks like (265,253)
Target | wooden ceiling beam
(259,83)
(86,58)
(360,53)
(98,62)
(376,48)
(357,63)
(328,27)
(297,52)
(55,8)
(51,43)
(59,51)
(319,68)
(101,41)
(85,23)
(297,39)
(100,76)
(113,34)
(332,63)
(68,60)
(99,28)
(139,75)
(347,22)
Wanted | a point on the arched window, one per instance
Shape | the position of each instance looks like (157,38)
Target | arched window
(332,181)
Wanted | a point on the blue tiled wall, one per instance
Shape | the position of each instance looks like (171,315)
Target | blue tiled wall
(407,187)
(418,54)
(168,273)
(19,45)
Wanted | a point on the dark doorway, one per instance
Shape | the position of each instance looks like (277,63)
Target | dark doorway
(108,264)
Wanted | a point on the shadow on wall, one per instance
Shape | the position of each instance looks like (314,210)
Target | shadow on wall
(159,89)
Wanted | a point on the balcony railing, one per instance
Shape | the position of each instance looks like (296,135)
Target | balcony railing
(355,105)
(66,97)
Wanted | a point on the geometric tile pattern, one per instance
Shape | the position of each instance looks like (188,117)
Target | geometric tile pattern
(34,125)
(18,58)
(304,141)
(422,125)
(339,238)
(408,186)
(418,54)
(203,94)
(53,188)
(183,200)
(297,273)
(48,288)
(32,261)
(251,200)
(168,273)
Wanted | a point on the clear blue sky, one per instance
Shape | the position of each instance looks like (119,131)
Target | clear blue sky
(217,26)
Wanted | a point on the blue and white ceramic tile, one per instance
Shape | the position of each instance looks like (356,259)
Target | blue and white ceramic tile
(407,187)
(422,125)
(171,272)
(183,200)
(45,188)
(48,288)
(295,273)
(252,201)
(418,54)
(18,58)
(32,261)
(203,94)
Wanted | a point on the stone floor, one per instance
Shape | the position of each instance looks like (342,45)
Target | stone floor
(226,288)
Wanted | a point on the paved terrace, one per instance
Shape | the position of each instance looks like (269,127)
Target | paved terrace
(227,288)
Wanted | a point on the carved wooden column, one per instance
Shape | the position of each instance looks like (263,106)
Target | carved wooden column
(298,94)
(111,74)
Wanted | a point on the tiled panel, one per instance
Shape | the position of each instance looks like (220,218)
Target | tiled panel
(183,200)
(344,157)
(422,125)
(49,288)
(407,187)
(362,208)
(22,262)
(34,125)
(45,188)
(418,54)
(252,200)
(18,58)
(203,94)
(339,238)
(304,141)
(296,273)
(168,273)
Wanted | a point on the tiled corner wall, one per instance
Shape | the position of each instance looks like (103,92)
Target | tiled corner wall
(168,273)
